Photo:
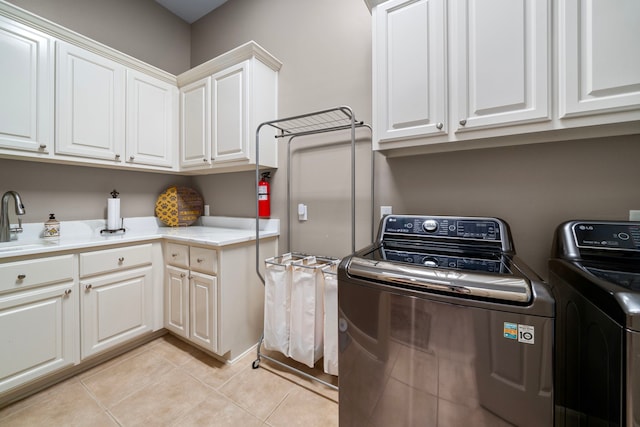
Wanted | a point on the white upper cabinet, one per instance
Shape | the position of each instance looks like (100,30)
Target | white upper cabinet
(500,62)
(441,67)
(409,71)
(229,114)
(598,57)
(26,85)
(195,124)
(459,74)
(90,112)
(152,120)
(222,102)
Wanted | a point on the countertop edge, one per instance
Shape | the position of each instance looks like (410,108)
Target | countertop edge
(52,247)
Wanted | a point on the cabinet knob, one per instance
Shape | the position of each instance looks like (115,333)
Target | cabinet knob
(200,259)
(88,287)
(182,275)
(174,255)
(204,160)
(439,126)
(117,156)
(67,292)
(43,146)
(22,276)
(120,260)
(463,122)
(190,277)
(132,158)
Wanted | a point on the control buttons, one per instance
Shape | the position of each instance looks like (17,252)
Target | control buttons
(623,236)
(430,225)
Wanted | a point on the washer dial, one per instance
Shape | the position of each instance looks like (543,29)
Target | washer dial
(430,225)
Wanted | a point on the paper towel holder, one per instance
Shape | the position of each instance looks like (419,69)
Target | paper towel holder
(114,195)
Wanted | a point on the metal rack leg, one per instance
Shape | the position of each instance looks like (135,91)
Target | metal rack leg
(256,365)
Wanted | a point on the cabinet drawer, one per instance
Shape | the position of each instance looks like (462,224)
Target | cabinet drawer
(204,260)
(114,259)
(15,276)
(177,255)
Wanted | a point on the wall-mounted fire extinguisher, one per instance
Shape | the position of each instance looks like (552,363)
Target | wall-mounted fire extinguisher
(264,196)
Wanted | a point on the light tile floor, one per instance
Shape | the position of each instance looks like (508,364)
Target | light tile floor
(170,383)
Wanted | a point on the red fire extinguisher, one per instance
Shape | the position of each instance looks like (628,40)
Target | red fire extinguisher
(264,195)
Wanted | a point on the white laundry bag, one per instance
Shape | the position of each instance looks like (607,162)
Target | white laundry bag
(307,312)
(330,277)
(277,301)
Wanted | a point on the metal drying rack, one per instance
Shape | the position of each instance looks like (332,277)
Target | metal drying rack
(330,120)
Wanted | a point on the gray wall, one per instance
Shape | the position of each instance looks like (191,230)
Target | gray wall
(326,50)
(77,192)
(140,28)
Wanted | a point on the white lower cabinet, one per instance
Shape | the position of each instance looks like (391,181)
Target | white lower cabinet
(191,296)
(38,318)
(116,304)
(203,304)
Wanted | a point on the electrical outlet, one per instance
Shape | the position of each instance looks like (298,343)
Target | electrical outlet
(634,215)
(385,210)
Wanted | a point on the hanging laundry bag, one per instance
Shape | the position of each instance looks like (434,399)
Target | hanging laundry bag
(307,312)
(277,301)
(330,277)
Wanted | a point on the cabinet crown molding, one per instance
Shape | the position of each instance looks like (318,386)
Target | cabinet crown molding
(249,50)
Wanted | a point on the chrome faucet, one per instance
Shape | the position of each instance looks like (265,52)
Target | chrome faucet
(5,228)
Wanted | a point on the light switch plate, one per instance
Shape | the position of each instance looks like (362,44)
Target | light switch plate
(634,215)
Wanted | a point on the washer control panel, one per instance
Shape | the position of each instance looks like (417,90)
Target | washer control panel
(472,228)
(614,236)
(447,261)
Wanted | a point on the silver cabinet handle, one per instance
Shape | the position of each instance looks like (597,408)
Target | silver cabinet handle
(43,146)
(463,122)
(88,287)
(22,276)
(439,126)
(67,292)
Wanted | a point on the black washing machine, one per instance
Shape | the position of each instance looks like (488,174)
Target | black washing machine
(594,272)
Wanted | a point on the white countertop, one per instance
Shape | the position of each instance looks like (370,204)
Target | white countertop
(212,231)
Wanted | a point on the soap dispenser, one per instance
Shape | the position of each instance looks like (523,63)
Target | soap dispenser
(52,227)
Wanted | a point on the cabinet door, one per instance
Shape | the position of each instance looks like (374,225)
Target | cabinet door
(195,124)
(115,308)
(598,58)
(502,53)
(229,103)
(38,333)
(203,295)
(151,120)
(176,301)
(90,104)
(26,85)
(409,73)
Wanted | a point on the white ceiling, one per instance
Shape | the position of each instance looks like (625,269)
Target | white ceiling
(191,10)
